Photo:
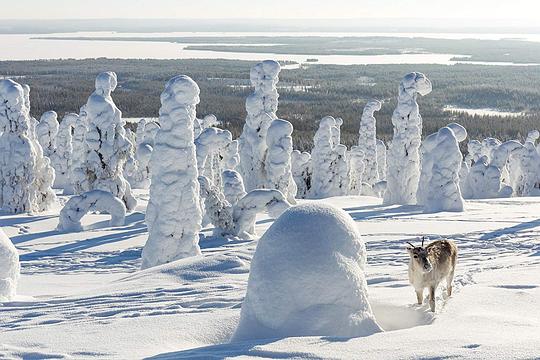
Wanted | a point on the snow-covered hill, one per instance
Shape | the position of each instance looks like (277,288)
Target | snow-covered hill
(82,295)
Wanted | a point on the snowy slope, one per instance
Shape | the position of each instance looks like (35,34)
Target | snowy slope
(81,295)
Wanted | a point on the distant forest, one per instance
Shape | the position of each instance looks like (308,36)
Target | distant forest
(306,94)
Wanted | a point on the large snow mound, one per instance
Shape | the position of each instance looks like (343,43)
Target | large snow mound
(9,268)
(307,278)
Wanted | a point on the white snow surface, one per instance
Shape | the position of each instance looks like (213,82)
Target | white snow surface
(82,295)
(307,278)
(9,268)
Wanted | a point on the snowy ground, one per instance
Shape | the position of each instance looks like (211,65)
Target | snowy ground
(81,294)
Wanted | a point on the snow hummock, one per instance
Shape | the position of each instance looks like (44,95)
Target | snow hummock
(441,164)
(278,159)
(307,278)
(9,268)
(173,214)
(367,142)
(107,145)
(26,176)
(261,107)
(96,200)
(403,158)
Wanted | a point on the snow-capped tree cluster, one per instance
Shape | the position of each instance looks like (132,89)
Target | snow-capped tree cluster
(26,176)
(10,268)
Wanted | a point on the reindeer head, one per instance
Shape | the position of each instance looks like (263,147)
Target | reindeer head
(419,256)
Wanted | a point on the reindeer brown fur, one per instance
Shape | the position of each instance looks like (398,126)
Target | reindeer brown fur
(429,265)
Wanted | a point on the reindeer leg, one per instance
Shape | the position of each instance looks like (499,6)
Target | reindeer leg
(432,298)
(449,281)
(419,296)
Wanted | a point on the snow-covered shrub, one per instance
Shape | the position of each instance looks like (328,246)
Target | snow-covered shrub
(484,182)
(474,152)
(307,278)
(381,159)
(301,171)
(403,158)
(356,170)
(10,268)
(139,177)
(441,164)
(367,142)
(233,186)
(173,214)
(95,200)
(26,176)
(261,107)
(256,201)
(61,158)
(209,144)
(325,179)
(46,132)
(278,159)
(239,219)
(106,141)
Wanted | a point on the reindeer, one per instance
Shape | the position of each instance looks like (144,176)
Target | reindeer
(430,265)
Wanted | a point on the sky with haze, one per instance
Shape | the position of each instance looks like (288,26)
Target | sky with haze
(484,10)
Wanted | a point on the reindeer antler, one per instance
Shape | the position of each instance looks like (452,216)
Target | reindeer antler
(411,244)
(423,238)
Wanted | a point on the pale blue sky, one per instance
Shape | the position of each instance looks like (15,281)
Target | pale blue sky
(62,9)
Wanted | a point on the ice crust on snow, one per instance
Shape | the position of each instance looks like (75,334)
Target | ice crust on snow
(403,157)
(307,278)
(278,161)
(96,200)
(26,176)
(439,188)
(10,268)
(261,107)
(173,214)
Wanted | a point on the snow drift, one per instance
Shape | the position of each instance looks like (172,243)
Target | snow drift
(307,278)
(9,268)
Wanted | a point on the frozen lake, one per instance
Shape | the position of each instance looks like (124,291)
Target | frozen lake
(27,47)
(481,112)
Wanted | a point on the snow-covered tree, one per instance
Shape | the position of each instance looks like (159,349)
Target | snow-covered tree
(209,120)
(80,151)
(381,159)
(173,215)
(233,186)
(367,142)
(231,157)
(26,176)
(474,152)
(326,163)
(484,182)
(340,167)
(307,278)
(301,171)
(261,107)
(239,219)
(10,268)
(144,144)
(209,146)
(441,163)
(106,141)
(62,156)
(403,158)
(524,168)
(356,170)
(46,132)
(488,147)
(95,200)
(278,159)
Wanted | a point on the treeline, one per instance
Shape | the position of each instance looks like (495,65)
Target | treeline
(306,94)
